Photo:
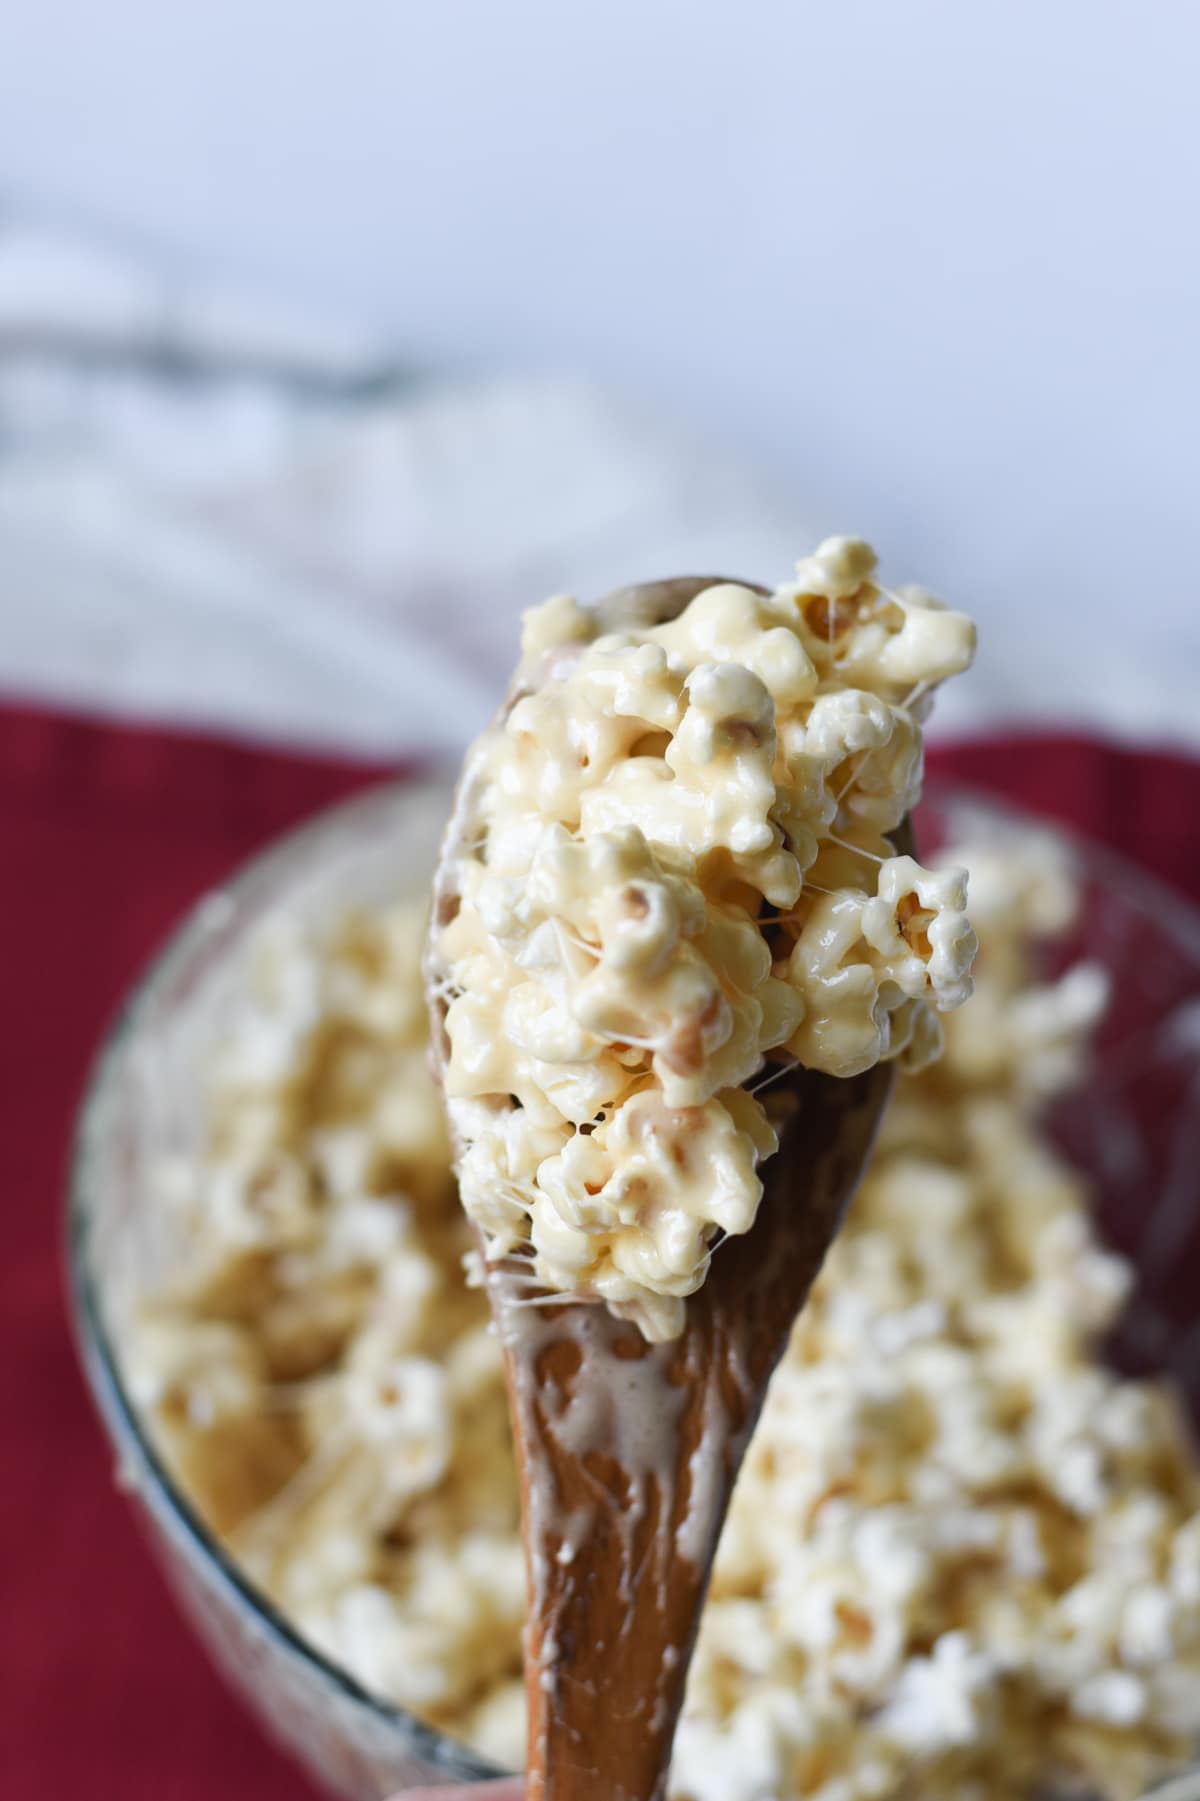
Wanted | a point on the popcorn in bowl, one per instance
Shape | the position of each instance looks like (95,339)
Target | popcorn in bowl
(963,1558)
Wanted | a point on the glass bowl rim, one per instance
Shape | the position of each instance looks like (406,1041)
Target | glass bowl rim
(97,1351)
(1178,916)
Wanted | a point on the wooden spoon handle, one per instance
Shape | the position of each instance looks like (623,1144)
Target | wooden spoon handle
(629,1453)
(613,1603)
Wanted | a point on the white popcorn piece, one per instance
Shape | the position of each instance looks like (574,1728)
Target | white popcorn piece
(942,1701)
(1111,1697)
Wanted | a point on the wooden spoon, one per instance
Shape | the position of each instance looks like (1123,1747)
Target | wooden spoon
(628,1451)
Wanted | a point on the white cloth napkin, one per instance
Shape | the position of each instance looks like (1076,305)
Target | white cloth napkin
(223,514)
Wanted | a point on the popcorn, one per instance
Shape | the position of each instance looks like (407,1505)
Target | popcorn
(917,926)
(682,870)
(1111,1697)
(198,1371)
(944,1701)
(962,1560)
(625,1234)
(399,1406)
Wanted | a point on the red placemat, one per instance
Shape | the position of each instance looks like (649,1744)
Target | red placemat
(108,832)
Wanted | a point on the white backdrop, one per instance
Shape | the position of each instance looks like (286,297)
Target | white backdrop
(934,266)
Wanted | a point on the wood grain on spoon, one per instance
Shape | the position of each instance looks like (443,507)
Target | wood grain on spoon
(628,1451)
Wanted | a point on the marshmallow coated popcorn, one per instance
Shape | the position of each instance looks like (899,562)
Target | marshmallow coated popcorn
(963,1560)
(683,871)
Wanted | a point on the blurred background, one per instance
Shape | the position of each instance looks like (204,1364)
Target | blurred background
(314,318)
(332,336)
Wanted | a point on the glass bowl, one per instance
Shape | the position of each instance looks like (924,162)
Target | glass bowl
(1135,1128)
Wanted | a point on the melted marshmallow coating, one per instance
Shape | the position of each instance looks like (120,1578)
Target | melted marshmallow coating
(681,872)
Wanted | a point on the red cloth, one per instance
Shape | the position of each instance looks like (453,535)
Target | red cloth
(108,832)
